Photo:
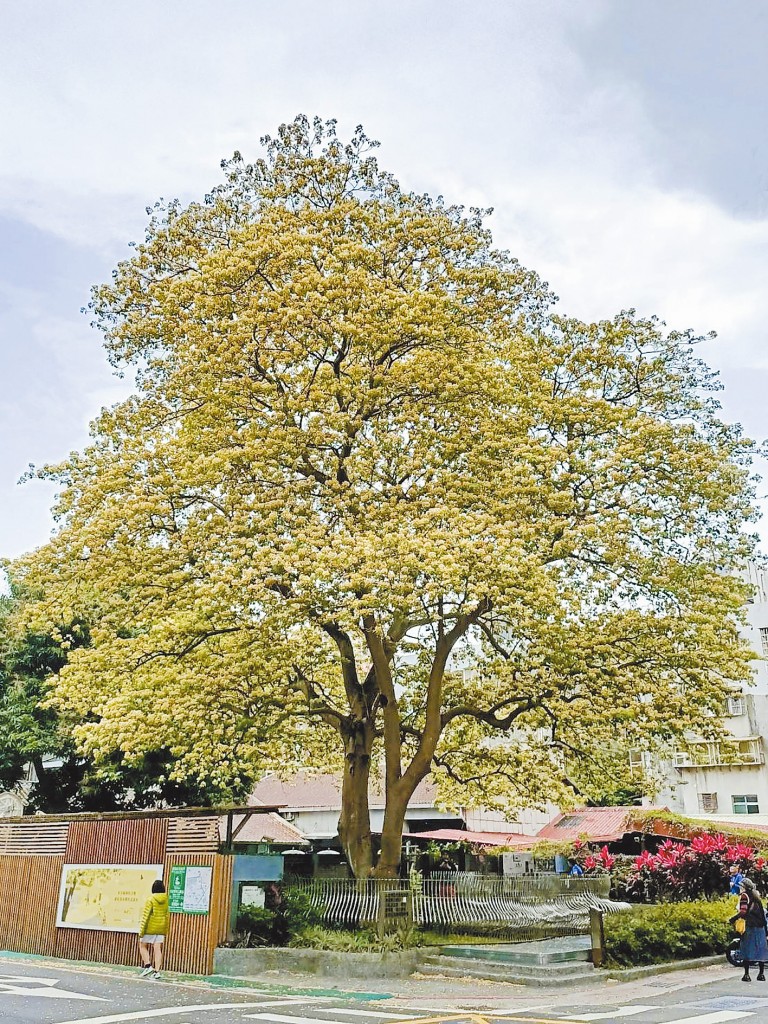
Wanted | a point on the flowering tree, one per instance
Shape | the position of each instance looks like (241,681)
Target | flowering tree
(375,505)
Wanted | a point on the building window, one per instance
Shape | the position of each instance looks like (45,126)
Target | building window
(745,804)
(736,706)
(708,803)
(764,640)
(640,760)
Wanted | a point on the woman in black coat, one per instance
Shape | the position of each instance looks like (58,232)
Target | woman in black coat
(753,944)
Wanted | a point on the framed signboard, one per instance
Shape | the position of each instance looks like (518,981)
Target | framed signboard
(105,897)
(189,890)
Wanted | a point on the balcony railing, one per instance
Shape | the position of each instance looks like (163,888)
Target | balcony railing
(735,754)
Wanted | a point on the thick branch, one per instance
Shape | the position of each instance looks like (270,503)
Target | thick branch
(433,725)
(381,655)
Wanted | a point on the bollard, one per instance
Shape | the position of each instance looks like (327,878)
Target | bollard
(597,935)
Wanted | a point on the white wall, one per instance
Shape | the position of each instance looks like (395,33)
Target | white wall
(687,784)
(757,615)
(526,822)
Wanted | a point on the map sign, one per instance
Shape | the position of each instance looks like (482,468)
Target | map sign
(105,897)
(189,891)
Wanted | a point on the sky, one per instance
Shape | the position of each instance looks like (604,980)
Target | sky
(623,147)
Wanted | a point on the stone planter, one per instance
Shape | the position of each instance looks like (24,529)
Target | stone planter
(254,963)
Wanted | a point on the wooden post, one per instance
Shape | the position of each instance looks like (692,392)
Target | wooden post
(597,935)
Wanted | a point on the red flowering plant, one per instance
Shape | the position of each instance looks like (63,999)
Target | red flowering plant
(591,861)
(699,870)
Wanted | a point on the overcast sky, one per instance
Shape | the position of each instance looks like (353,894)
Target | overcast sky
(623,146)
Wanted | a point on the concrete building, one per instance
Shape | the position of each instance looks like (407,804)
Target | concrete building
(729,780)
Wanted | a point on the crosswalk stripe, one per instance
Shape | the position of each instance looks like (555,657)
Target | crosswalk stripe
(283,1018)
(371,1013)
(712,1018)
(620,1011)
(431,1011)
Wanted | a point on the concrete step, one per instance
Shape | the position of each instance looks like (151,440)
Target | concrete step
(541,975)
(565,949)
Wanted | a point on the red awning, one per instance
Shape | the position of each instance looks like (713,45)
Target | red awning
(457,835)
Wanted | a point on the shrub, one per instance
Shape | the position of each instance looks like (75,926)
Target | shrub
(680,871)
(669,931)
(254,926)
(290,912)
(364,940)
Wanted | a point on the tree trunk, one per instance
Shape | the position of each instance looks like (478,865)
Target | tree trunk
(388,865)
(355,818)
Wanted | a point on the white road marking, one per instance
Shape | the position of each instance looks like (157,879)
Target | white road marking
(283,1018)
(431,1011)
(369,1013)
(167,1011)
(712,1018)
(41,988)
(620,1011)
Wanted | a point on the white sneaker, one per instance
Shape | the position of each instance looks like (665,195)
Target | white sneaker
(156,976)
(145,972)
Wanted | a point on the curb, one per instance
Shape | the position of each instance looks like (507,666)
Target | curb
(648,970)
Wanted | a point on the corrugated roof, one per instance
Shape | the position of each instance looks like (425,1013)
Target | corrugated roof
(599,824)
(265,828)
(457,835)
(306,790)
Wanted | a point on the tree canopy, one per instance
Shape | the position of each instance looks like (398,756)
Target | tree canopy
(376,504)
(39,758)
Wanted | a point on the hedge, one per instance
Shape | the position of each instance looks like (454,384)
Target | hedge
(668,931)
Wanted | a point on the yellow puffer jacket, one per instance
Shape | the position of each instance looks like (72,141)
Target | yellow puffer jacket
(154,920)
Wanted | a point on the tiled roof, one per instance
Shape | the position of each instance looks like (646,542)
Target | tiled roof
(457,835)
(600,824)
(306,790)
(264,828)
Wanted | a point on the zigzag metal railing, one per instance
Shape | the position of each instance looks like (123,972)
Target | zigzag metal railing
(471,903)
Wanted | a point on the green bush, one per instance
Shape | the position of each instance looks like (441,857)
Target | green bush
(668,931)
(365,940)
(276,926)
(255,926)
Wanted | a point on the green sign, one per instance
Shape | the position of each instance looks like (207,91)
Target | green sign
(189,890)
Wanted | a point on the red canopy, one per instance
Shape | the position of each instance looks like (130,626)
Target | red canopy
(457,835)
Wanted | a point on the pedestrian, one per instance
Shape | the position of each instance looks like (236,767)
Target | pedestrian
(152,931)
(576,869)
(753,945)
(735,878)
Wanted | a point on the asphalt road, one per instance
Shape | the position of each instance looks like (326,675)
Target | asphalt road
(46,994)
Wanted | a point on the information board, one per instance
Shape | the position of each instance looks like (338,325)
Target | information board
(105,897)
(189,891)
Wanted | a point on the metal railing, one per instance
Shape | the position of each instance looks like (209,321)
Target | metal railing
(517,907)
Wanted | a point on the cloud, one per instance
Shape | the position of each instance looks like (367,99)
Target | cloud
(527,107)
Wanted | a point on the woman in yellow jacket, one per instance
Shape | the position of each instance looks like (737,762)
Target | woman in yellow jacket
(152,931)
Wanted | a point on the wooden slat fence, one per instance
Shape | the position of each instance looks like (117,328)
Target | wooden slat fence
(193,835)
(33,853)
(36,839)
(192,938)
(139,841)
(30,888)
